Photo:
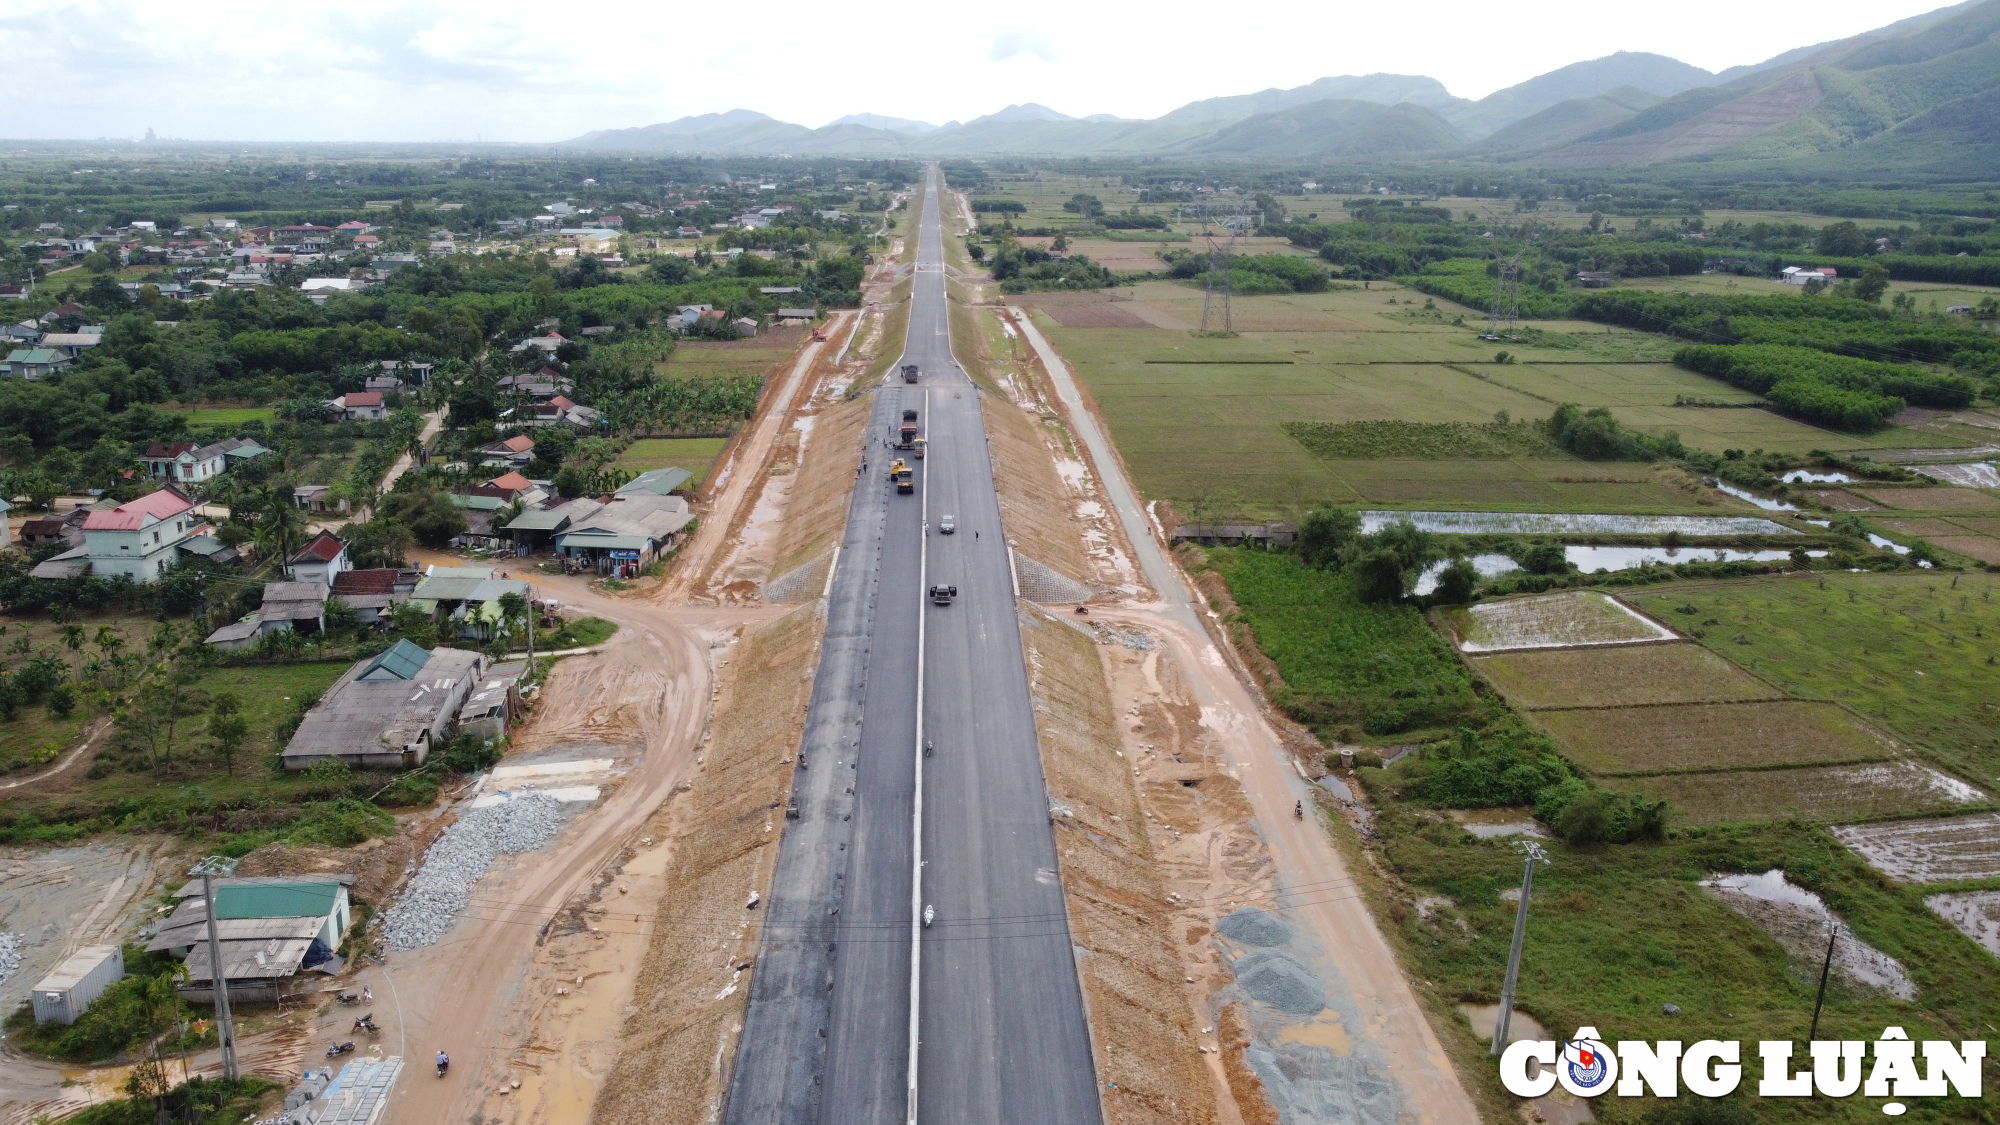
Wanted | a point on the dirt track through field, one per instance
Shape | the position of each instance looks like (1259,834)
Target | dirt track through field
(1379,1034)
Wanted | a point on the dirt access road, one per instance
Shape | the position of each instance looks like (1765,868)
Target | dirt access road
(1311,873)
(646,694)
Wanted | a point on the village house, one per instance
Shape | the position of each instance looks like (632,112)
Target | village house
(388,711)
(185,463)
(318,498)
(139,538)
(35,363)
(360,406)
(375,593)
(320,560)
(268,930)
(466,599)
(509,453)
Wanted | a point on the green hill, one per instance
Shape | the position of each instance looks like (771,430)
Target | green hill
(1334,128)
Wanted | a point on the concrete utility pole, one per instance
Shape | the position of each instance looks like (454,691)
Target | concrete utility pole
(224,1027)
(1535,854)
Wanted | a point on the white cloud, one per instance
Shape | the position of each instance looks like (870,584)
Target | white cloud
(511,70)
(1023,41)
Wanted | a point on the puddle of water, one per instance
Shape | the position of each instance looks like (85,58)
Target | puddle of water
(1891,544)
(1488,566)
(1797,919)
(1488,824)
(1564,523)
(1335,786)
(1761,502)
(1520,1025)
(1592,559)
(1976,914)
(1797,476)
(1319,1032)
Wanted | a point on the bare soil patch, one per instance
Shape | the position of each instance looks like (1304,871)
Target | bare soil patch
(1944,499)
(1140,1015)
(1618,677)
(1711,736)
(689,994)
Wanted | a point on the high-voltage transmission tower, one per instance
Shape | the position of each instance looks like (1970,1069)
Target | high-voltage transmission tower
(1215,310)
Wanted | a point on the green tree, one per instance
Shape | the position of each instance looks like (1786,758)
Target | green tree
(1324,534)
(227,728)
(1843,239)
(1456,583)
(281,524)
(428,513)
(379,542)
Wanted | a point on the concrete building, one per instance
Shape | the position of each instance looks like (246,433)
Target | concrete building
(319,560)
(361,406)
(388,711)
(35,363)
(82,977)
(140,537)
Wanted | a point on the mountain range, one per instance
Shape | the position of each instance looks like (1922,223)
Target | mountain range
(1921,95)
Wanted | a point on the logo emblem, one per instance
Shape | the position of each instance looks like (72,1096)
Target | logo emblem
(1587,1066)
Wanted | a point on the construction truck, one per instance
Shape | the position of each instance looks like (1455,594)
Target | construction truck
(906,434)
(906,481)
(921,442)
(909,373)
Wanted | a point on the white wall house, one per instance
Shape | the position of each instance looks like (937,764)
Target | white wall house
(140,538)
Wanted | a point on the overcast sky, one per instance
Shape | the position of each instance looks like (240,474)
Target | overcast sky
(504,70)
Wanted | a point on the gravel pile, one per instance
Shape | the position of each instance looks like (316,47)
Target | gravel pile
(443,888)
(10,955)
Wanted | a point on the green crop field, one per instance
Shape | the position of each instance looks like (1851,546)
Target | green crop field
(1710,736)
(225,415)
(1198,417)
(1627,676)
(1909,651)
(696,455)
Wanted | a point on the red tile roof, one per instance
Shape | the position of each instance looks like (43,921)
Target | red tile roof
(364,398)
(519,443)
(512,482)
(561,403)
(377,581)
(168,451)
(132,515)
(325,547)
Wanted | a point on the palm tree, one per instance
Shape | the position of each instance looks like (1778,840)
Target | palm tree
(281,525)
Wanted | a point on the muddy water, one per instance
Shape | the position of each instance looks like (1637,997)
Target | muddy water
(1799,921)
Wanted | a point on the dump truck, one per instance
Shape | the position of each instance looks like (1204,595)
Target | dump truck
(942,595)
(909,373)
(906,434)
(906,481)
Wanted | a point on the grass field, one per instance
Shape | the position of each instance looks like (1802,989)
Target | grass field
(1710,736)
(224,415)
(1193,419)
(1810,793)
(1629,676)
(757,355)
(1908,651)
(696,455)
(1573,617)
(1616,933)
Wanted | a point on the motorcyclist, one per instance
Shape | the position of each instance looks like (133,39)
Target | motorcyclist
(1299,809)
(443,1062)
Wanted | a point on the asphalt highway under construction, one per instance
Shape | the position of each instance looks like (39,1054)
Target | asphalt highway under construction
(859,1015)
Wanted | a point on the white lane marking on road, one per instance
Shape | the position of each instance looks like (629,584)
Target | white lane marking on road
(917,802)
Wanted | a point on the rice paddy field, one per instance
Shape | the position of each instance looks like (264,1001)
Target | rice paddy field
(1942,850)
(1822,794)
(1569,618)
(1633,676)
(1199,417)
(1910,652)
(1677,737)
(223,415)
